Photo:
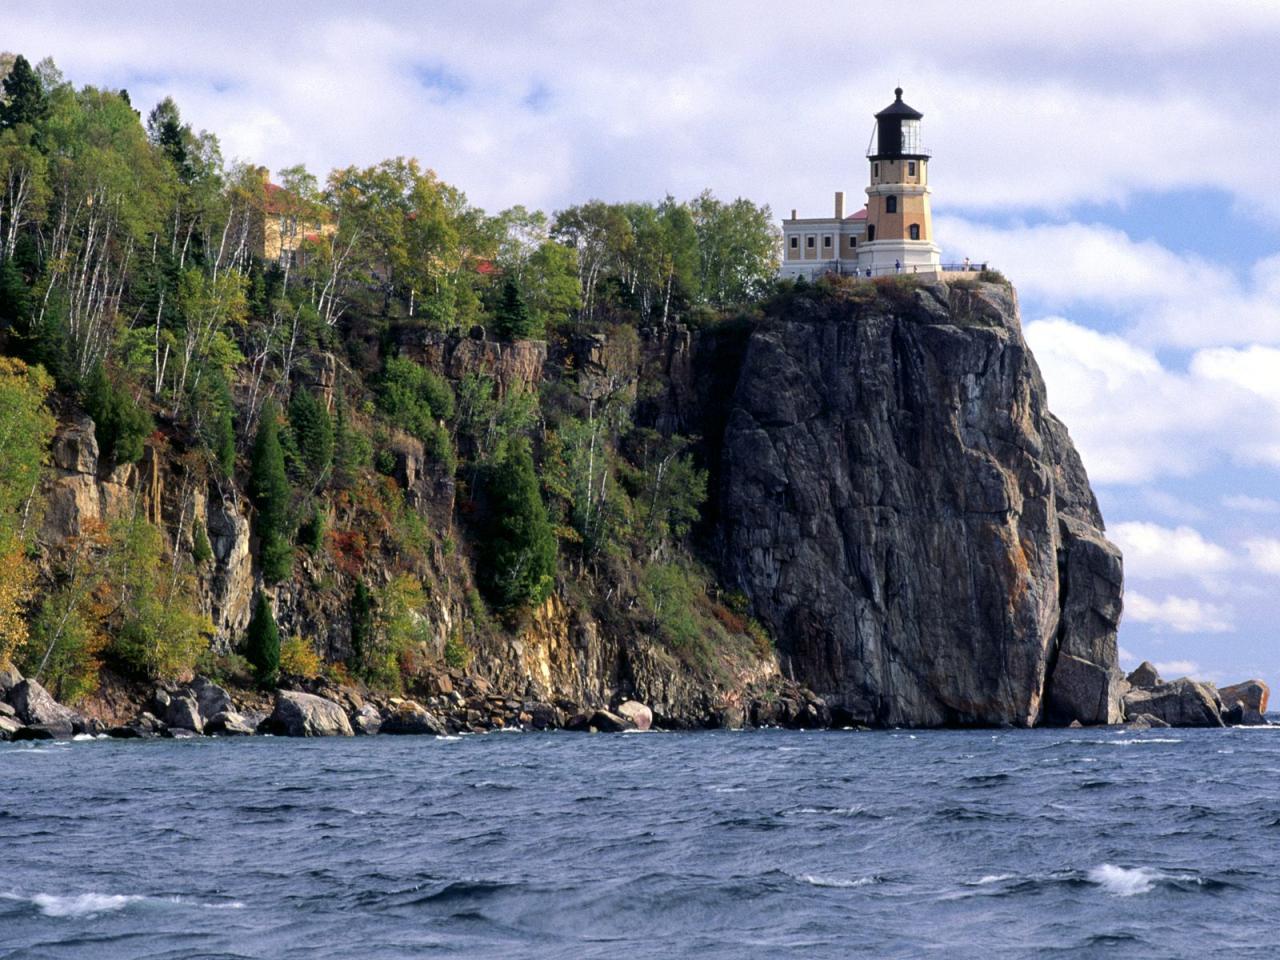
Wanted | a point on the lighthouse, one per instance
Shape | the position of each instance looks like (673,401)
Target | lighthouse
(899,222)
(893,233)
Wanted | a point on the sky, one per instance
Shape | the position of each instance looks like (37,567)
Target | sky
(1114,160)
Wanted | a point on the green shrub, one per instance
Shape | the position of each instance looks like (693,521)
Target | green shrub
(269,489)
(201,550)
(312,429)
(518,554)
(992,276)
(457,654)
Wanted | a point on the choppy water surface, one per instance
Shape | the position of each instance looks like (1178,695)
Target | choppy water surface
(767,844)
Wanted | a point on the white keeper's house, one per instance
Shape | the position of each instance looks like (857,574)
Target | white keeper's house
(893,232)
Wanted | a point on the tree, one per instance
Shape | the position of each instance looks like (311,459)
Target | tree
(269,489)
(26,427)
(518,555)
(312,431)
(121,424)
(361,609)
(737,248)
(415,399)
(512,320)
(24,98)
(262,642)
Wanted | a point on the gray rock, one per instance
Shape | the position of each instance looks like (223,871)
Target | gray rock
(1252,696)
(183,713)
(160,700)
(542,716)
(367,721)
(9,678)
(228,723)
(908,519)
(640,716)
(607,722)
(1083,691)
(35,707)
(1145,676)
(306,715)
(409,717)
(39,731)
(6,710)
(1146,721)
(1182,703)
(8,726)
(211,698)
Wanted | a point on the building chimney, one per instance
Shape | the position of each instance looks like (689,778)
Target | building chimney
(839,204)
(793,213)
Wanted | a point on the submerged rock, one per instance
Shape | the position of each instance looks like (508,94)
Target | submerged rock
(306,715)
(608,722)
(228,723)
(1146,721)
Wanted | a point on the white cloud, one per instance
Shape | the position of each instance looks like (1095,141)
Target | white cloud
(1247,504)
(1264,554)
(1154,552)
(1173,669)
(1180,614)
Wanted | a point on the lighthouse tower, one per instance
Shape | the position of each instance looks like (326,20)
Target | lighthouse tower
(899,233)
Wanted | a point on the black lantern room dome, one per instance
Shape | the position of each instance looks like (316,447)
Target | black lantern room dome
(897,133)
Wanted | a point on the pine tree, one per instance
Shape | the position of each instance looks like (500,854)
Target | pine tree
(512,320)
(312,431)
(24,96)
(120,424)
(262,642)
(518,557)
(361,624)
(269,489)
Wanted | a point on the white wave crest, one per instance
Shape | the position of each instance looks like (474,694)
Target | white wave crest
(82,904)
(1125,882)
(992,878)
(838,881)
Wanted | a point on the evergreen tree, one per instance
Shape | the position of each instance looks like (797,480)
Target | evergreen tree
(262,643)
(269,488)
(312,431)
(361,624)
(518,556)
(512,320)
(120,424)
(24,96)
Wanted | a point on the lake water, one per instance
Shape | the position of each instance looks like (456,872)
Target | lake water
(1074,843)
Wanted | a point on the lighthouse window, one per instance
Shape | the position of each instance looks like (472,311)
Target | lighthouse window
(875,169)
(890,204)
(911,168)
(871,232)
(915,231)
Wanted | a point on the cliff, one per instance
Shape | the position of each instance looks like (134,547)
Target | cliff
(911,521)
(888,493)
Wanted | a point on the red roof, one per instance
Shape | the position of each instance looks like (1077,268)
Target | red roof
(860,215)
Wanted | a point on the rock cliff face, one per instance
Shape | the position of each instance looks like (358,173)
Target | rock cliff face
(911,521)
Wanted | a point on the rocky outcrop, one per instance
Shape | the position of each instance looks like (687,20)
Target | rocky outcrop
(1246,702)
(512,364)
(1145,676)
(1181,703)
(306,715)
(37,709)
(909,520)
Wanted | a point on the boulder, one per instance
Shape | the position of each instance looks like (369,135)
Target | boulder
(228,723)
(35,707)
(542,716)
(9,678)
(8,727)
(1145,676)
(142,726)
(607,722)
(38,731)
(1146,721)
(367,721)
(6,710)
(211,698)
(1182,703)
(306,715)
(1084,691)
(640,716)
(183,713)
(1252,696)
(409,717)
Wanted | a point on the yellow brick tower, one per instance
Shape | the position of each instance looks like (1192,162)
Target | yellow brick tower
(899,234)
